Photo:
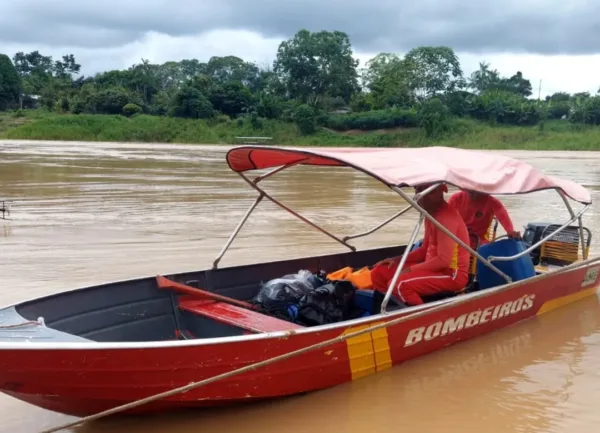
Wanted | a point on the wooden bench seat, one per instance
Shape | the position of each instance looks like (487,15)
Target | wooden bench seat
(236,316)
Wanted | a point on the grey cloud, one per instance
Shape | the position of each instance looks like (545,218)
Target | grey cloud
(377,25)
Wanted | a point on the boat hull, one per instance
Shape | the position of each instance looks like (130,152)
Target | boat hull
(89,378)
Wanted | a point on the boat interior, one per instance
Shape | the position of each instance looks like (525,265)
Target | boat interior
(157,309)
(138,310)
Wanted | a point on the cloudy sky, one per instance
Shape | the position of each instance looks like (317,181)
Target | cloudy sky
(549,40)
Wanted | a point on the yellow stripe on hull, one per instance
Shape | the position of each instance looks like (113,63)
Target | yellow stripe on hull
(368,353)
(565,300)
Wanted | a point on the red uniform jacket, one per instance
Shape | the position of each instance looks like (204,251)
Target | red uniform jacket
(479,214)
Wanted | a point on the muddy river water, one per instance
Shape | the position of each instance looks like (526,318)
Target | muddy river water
(86,213)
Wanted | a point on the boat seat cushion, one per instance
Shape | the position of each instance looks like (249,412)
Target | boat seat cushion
(236,316)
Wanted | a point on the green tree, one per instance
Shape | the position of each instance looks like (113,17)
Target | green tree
(67,67)
(113,79)
(143,80)
(558,97)
(484,78)
(519,85)
(433,70)
(387,76)
(190,102)
(233,69)
(587,111)
(232,98)
(43,77)
(503,107)
(10,84)
(487,79)
(312,65)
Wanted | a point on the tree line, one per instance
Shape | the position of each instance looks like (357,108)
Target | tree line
(314,81)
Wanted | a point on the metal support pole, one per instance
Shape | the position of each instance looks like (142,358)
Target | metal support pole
(237,229)
(450,234)
(392,284)
(584,254)
(296,214)
(541,241)
(374,229)
(276,170)
(261,195)
(580,222)
(389,220)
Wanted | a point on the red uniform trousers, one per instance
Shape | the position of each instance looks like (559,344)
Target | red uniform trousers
(411,285)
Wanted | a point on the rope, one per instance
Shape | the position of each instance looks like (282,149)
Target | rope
(338,339)
(39,322)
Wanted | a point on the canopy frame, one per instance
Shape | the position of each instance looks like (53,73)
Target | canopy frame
(263,194)
(413,203)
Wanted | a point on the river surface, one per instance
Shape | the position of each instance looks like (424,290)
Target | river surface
(86,213)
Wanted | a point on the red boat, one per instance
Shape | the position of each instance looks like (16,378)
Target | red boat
(88,350)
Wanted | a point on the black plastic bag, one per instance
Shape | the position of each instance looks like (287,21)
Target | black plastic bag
(330,303)
(288,289)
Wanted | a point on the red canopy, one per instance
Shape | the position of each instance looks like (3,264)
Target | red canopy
(408,167)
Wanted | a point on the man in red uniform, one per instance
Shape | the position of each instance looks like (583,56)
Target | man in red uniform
(438,265)
(478,211)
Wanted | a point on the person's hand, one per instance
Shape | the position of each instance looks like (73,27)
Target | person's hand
(389,261)
(514,235)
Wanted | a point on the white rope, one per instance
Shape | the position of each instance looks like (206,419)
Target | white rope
(339,339)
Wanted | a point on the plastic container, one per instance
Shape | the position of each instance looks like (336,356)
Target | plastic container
(370,300)
(518,269)
(363,299)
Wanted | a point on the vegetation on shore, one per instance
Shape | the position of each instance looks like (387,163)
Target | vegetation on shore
(465,133)
(314,94)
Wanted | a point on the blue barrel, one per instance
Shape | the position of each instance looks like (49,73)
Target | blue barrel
(363,299)
(518,269)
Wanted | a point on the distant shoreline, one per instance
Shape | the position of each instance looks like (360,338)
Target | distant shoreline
(469,134)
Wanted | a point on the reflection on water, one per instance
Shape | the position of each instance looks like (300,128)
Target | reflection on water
(88,213)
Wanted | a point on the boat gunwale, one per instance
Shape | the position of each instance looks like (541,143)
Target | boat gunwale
(410,311)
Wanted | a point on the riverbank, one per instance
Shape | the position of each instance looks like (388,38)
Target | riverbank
(466,133)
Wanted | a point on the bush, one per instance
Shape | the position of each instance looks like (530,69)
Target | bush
(587,111)
(269,107)
(556,110)
(499,106)
(132,109)
(458,102)
(107,101)
(221,119)
(433,117)
(256,121)
(372,120)
(189,102)
(361,102)
(78,107)
(306,119)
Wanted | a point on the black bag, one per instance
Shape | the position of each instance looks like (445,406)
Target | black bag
(288,289)
(330,303)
